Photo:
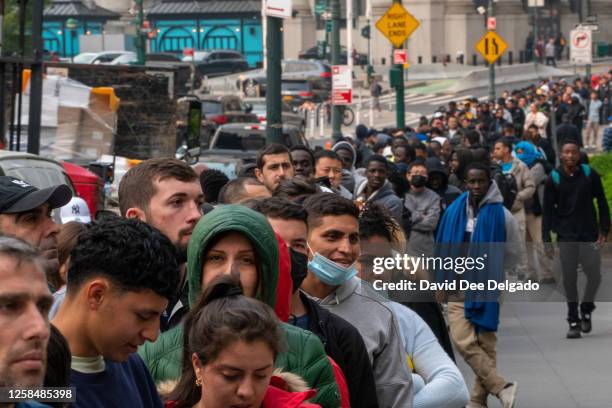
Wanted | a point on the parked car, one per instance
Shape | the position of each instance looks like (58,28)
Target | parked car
(35,170)
(162,57)
(226,109)
(254,82)
(218,62)
(313,54)
(165,60)
(87,185)
(289,113)
(295,92)
(235,145)
(104,57)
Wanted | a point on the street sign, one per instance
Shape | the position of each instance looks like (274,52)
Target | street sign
(397,24)
(587,26)
(278,8)
(581,47)
(491,23)
(535,3)
(491,46)
(400,57)
(342,85)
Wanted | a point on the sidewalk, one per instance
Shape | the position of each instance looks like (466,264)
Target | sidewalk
(552,371)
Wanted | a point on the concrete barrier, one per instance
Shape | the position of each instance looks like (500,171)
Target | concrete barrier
(507,74)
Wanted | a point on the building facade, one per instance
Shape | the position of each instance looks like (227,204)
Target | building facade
(449,29)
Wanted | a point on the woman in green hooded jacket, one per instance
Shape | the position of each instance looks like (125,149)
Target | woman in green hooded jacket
(250,230)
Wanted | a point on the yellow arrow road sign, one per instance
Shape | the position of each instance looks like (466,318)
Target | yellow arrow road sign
(491,46)
(397,24)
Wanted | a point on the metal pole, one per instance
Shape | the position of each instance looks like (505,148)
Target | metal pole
(336,115)
(2,75)
(584,12)
(274,127)
(140,43)
(369,16)
(400,110)
(349,34)
(1,28)
(264,33)
(36,78)
(535,34)
(491,66)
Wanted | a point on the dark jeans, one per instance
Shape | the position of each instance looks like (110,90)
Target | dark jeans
(585,254)
(551,61)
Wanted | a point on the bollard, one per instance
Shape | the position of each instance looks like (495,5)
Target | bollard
(499,61)
(510,55)
(313,118)
(434,59)
(448,59)
(383,61)
(420,59)
(474,60)
(521,56)
(321,121)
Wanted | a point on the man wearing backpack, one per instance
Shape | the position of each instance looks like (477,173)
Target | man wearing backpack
(570,213)
(525,188)
(539,263)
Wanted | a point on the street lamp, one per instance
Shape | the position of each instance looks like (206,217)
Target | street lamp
(72,25)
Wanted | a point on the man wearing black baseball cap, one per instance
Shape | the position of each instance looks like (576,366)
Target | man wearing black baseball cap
(25,212)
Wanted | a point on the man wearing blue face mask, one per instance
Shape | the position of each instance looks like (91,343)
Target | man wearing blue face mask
(333,241)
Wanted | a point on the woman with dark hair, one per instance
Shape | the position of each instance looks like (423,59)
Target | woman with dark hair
(459,160)
(66,240)
(230,344)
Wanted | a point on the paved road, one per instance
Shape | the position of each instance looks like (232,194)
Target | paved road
(552,371)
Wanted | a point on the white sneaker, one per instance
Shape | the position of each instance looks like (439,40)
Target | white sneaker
(507,396)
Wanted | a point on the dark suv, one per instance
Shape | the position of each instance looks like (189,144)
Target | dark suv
(221,62)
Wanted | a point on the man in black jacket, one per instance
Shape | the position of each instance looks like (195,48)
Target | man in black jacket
(568,211)
(567,130)
(342,340)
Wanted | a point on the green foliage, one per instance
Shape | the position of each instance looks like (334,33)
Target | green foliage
(602,163)
(10,43)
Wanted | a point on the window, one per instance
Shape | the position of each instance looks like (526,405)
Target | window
(247,141)
(287,86)
(211,108)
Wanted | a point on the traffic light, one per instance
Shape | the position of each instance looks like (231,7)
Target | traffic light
(365,32)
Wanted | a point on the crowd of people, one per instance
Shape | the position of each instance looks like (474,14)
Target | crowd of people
(257,291)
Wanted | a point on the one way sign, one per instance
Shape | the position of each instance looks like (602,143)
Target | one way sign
(491,46)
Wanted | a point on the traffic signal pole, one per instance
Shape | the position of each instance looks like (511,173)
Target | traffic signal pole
(400,109)
(491,65)
(336,116)
(140,40)
(274,41)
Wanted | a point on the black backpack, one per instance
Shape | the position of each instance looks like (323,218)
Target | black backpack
(506,184)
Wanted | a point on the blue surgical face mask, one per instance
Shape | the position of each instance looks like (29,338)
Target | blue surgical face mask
(330,272)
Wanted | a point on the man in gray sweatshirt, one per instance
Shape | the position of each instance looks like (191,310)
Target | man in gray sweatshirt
(333,240)
(424,207)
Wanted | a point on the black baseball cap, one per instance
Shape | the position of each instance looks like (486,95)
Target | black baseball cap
(17,196)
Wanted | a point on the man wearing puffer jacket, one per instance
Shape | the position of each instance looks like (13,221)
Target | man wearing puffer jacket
(305,355)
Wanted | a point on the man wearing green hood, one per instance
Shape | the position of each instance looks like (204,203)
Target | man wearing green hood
(305,354)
